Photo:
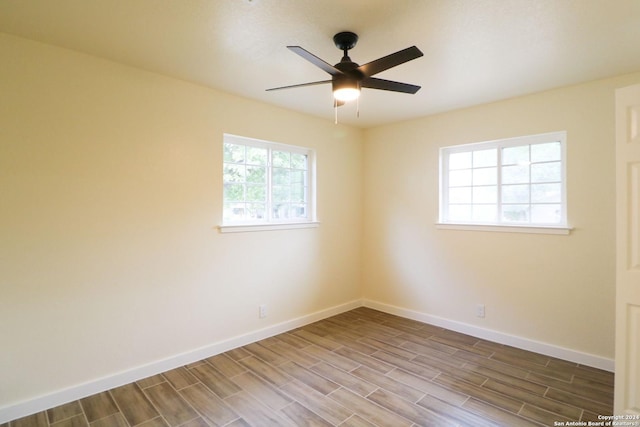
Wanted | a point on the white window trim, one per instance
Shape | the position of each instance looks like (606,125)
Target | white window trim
(535,228)
(243,228)
(505,228)
(285,224)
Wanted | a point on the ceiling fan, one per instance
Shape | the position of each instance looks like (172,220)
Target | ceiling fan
(347,77)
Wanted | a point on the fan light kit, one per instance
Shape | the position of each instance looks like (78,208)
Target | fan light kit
(345,93)
(348,78)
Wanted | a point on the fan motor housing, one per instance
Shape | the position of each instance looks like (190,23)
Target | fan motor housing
(348,66)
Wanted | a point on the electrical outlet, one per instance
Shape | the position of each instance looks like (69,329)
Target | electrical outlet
(262,311)
(480,310)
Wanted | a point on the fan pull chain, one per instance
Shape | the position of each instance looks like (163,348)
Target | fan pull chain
(335,109)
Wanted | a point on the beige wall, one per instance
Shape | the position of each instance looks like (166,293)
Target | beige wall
(110,189)
(554,289)
(110,192)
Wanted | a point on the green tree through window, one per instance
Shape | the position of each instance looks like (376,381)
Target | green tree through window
(266,182)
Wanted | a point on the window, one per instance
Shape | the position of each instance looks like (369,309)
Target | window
(509,182)
(266,182)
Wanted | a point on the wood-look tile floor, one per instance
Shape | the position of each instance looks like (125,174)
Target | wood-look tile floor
(360,368)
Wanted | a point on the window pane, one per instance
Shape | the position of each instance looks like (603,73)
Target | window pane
(297,177)
(546,172)
(233,211)
(515,193)
(546,214)
(281,159)
(485,176)
(280,176)
(256,193)
(280,194)
(460,212)
(484,158)
(256,156)
(515,155)
(486,194)
(515,174)
(233,153)
(233,192)
(460,160)
(255,210)
(256,174)
(546,152)
(233,173)
(298,211)
(460,178)
(298,193)
(485,213)
(460,195)
(546,193)
(298,161)
(515,213)
(281,210)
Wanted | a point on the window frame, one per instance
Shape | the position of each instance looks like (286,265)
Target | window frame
(269,222)
(499,225)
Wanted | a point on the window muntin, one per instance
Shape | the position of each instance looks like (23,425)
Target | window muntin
(516,181)
(266,182)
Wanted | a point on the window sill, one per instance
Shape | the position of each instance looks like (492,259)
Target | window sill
(242,228)
(505,228)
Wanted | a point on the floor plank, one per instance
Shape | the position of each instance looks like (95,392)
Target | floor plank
(208,405)
(133,404)
(172,407)
(98,406)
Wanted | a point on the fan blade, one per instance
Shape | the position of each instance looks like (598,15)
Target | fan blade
(300,85)
(374,83)
(315,60)
(389,61)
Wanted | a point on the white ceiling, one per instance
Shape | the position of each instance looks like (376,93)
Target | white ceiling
(475,51)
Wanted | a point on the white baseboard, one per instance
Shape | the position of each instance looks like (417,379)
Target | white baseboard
(499,337)
(60,397)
